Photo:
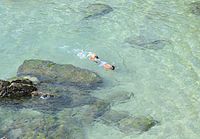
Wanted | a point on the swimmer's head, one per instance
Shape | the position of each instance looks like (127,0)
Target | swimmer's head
(113,67)
(108,66)
(96,57)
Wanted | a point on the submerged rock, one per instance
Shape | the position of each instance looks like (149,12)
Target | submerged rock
(195,8)
(51,98)
(136,124)
(141,42)
(96,10)
(29,124)
(127,123)
(50,72)
(89,113)
(16,89)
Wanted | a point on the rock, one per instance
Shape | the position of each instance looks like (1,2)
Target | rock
(32,125)
(136,124)
(45,126)
(195,8)
(22,81)
(33,79)
(141,42)
(65,96)
(68,130)
(3,87)
(16,89)
(71,125)
(56,82)
(49,72)
(126,123)
(98,108)
(90,113)
(4,138)
(53,99)
(96,10)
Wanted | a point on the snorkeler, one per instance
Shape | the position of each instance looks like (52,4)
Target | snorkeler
(93,57)
(106,66)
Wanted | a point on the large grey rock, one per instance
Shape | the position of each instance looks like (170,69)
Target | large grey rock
(50,72)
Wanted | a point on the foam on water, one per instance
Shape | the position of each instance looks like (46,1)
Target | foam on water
(165,82)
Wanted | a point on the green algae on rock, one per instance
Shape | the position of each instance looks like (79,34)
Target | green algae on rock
(50,72)
(98,9)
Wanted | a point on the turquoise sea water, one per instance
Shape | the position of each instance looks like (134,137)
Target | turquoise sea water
(165,81)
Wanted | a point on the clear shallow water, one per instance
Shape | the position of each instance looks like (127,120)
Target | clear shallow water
(165,82)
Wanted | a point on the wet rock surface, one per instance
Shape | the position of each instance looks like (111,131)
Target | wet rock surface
(16,88)
(195,8)
(97,10)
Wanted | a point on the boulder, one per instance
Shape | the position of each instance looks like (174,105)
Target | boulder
(127,123)
(136,124)
(89,113)
(50,72)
